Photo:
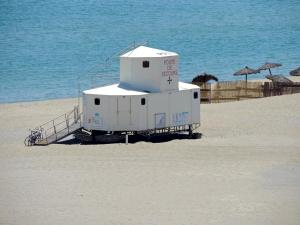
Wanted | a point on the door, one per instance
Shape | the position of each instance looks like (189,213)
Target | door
(124,112)
(160,120)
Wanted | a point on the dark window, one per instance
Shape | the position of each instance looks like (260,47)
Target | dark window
(195,94)
(146,64)
(143,101)
(97,101)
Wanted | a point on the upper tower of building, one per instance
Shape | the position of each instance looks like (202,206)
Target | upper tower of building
(149,69)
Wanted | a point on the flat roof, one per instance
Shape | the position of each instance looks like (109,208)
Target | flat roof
(186,86)
(121,89)
(143,51)
(114,89)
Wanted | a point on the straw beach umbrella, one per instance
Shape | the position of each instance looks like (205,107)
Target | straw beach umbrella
(246,71)
(268,66)
(295,72)
(204,78)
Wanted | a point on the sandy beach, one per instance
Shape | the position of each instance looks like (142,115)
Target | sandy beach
(244,170)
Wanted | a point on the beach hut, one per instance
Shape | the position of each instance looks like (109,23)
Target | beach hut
(148,99)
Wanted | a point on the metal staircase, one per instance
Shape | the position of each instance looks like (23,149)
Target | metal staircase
(68,123)
(56,129)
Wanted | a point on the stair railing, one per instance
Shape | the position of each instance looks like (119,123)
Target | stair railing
(51,130)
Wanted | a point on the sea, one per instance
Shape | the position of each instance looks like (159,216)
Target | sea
(57,48)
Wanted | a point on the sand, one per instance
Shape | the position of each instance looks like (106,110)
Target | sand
(244,170)
(292,78)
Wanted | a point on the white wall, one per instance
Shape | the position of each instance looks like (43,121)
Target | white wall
(169,73)
(115,113)
(162,74)
(96,116)
(157,103)
(139,113)
(125,70)
(180,108)
(145,78)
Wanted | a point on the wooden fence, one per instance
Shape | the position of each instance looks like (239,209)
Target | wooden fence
(239,90)
(273,89)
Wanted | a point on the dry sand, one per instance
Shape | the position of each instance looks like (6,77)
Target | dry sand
(244,170)
(292,78)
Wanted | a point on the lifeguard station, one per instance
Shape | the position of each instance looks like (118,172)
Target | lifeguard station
(148,100)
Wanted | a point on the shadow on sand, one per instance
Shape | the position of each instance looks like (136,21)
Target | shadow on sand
(135,138)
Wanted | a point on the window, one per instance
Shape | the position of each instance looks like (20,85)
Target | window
(195,95)
(146,64)
(143,101)
(97,101)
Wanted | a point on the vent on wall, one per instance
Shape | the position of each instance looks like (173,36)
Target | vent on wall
(146,64)
(195,95)
(97,101)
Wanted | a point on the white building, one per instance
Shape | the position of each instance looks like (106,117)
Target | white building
(149,96)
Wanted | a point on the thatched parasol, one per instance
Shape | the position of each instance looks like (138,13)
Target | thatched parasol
(204,78)
(246,71)
(268,66)
(295,72)
(279,79)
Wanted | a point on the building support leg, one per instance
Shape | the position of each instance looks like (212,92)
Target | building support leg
(190,131)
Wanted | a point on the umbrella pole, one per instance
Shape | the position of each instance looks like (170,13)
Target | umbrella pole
(270,71)
(246,83)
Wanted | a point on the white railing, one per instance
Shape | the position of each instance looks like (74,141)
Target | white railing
(55,129)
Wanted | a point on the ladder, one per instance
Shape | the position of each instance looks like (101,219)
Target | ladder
(131,47)
(56,129)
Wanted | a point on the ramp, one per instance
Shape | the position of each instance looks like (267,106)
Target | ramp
(56,129)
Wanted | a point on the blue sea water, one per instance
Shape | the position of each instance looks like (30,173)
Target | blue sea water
(49,48)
